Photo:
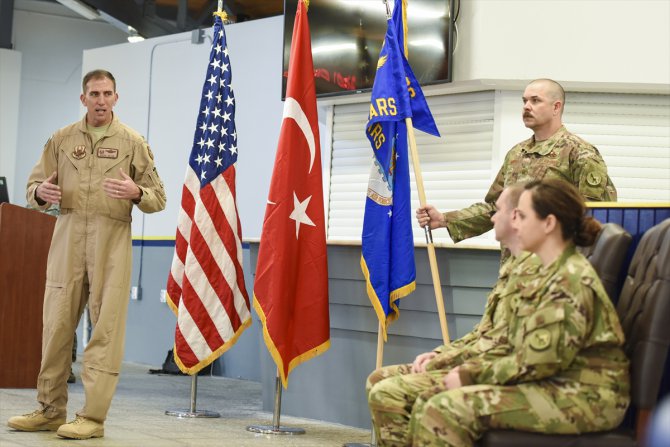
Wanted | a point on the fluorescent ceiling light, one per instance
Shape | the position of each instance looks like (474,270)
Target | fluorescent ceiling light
(133,35)
(334,48)
(435,44)
(81,8)
(365,6)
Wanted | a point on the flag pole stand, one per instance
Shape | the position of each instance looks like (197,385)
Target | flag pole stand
(192,412)
(275,428)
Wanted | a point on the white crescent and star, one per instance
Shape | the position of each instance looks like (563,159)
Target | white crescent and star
(292,110)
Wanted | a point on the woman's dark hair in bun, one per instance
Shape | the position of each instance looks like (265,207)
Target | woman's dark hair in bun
(564,201)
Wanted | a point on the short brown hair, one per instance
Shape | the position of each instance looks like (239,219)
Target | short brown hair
(97,74)
(554,89)
(564,201)
(513,193)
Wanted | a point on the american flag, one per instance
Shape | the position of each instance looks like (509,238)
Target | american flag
(206,284)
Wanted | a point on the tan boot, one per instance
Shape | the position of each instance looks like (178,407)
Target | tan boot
(81,428)
(36,421)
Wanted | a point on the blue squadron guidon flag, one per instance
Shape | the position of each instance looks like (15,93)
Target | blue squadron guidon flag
(387,257)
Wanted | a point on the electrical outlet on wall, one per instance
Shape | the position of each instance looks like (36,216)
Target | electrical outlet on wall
(135,293)
(163,296)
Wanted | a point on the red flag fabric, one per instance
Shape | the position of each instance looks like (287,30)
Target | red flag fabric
(291,284)
(206,284)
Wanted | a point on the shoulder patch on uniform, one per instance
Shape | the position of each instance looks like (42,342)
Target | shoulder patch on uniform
(594,178)
(540,339)
(587,280)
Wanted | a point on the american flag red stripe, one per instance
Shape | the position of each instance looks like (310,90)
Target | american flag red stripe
(181,246)
(206,284)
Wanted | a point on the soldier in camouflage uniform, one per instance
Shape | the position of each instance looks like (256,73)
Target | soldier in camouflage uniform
(489,336)
(566,371)
(552,152)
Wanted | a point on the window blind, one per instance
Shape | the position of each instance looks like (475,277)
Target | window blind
(632,132)
(456,167)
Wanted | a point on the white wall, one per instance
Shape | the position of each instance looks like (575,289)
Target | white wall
(10,83)
(602,41)
(50,80)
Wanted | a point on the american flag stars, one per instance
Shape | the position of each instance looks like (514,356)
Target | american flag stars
(215,140)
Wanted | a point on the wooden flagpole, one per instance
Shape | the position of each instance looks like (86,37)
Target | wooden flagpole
(380,346)
(422,200)
(429,236)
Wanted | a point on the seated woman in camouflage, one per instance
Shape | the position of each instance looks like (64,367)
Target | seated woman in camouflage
(566,372)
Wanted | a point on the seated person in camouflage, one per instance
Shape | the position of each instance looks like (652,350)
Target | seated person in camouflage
(552,152)
(490,335)
(566,372)
(491,332)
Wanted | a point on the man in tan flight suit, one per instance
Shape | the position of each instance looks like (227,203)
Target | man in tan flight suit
(96,169)
(552,152)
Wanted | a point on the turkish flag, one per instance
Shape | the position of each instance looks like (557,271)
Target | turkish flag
(291,283)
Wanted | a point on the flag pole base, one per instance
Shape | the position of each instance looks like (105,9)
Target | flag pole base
(272,430)
(276,428)
(192,414)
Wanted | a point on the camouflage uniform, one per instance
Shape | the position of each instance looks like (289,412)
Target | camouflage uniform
(491,332)
(563,155)
(488,337)
(566,372)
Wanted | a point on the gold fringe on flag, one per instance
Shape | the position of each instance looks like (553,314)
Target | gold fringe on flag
(221,14)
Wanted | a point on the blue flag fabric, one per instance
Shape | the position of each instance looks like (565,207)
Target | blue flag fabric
(387,257)
(422,119)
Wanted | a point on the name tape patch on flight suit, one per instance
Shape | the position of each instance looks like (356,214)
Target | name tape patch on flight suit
(105,152)
(79,152)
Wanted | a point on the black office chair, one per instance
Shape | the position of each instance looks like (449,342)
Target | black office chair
(644,311)
(607,255)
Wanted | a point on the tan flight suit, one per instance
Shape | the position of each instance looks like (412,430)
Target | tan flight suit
(90,258)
